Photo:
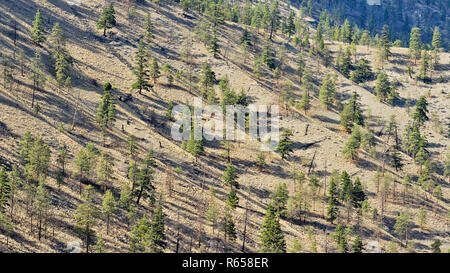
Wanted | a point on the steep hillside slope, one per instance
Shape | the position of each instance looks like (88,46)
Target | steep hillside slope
(99,59)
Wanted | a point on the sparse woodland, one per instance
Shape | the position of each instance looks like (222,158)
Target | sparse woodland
(87,93)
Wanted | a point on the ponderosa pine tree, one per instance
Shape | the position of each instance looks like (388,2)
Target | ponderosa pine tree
(384,45)
(38,31)
(228,226)
(436,43)
(362,72)
(268,55)
(148,29)
(271,238)
(279,198)
(285,144)
(109,207)
(332,208)
(340,237)
(402,225)
(352,114)
(41,206)
(106,111)
(421,110)
(327,93)
(415,44)
(5,190)
(358,246)
(300,66)
(213,43)
(108,19)
(85,162)
(304,103)
(137,239)
(105,165)
(140,70)
(230,176)
(144,187)
(154,70)
(383,88)
(232,199)
(207,77)
(37,75)
(157,240)
(86,216)
(345,62)
(352,146)
(38,161)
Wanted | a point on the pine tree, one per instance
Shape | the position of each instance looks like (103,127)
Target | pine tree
(285,144)
(207,77)
(169,111)
(305,104)
(362,73)
(108,19)
(148,29)
(345,63)
(213,43)
(86,216)
(383,87)
(415,44)
(422,218)
(300,66)
(5,190)
(131,145)
(358,195)
(279,199)
(38,160)
(106,110)
(436,43)
(228,226)
(126,196)
(232,199)
(395,159)
(140,70)
(144,187)
(100,246)
(357,245)
(109,207)
(85,162)
(212,214)
(424,67)
(38,31)
(327,93)
(57,39)
(272,238)
(352,115)
(139,235)
(105,171)
(274,15)
(341,239)
(157,240)
(332,208)
(420,112)
(268,55)
(402,225)
(14,186)
(37,75)
(154,70)
(230,176)
(42,205)
(352,146)
(384,45)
